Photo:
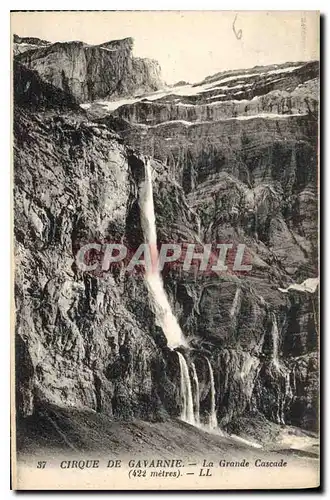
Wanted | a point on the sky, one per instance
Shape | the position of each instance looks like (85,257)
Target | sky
(189,45)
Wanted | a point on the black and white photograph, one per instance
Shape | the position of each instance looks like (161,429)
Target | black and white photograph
(165,255)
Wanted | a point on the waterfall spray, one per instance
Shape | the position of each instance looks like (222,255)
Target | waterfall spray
(213,422)
(187,413)
(166,319)
(196,383)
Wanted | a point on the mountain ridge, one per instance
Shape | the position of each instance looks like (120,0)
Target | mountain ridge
(90,71)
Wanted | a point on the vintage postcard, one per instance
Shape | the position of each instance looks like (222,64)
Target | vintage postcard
(165,290)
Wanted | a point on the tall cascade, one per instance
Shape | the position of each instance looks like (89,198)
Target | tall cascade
(284,397)
(187,413)
(235,306)
(196,383)
(165,318)
(213,422)
(275,340)
(287,397)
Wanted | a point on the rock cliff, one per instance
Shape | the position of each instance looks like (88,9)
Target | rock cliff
(88,72)
(85,341)
(243,146)
(223,174)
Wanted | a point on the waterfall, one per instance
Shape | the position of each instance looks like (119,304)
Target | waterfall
(213,422)
(196,383)
(187,413)
(165,318)
(235,305)
(294,383)
(285,394)
(288,396)
(275,339)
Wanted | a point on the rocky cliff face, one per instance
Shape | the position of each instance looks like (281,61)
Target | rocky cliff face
(91,340)
(31,91)
(84,341)
(89,72)
(243,145)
